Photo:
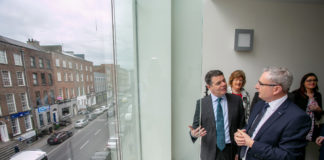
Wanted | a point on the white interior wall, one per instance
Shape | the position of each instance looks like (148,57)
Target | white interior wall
(285,34)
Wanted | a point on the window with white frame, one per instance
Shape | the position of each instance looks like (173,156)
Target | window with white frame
(70,65)
(76,66)
(65,77)
(20,79)
(88,89)
(17,58)
(6,78)
(3,57)
(86,68)
(64,64)
(71,77)
(41,63)
(24,101)
(15,126)
(83,91)
(10,98)
(61,92)
(81,77)
(90,69)
(87,78)
(57,62)
(48,64)
(32,62)
(77,77)
(67,93)
(59,76)
(28,123)
(81,67)
(35,81)
(72,93)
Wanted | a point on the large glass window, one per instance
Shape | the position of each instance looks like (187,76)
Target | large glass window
(24,101)
(3,57)
(20,79)
(6,78)
(17,58)
(11,103)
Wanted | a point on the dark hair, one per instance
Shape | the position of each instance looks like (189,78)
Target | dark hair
(237,74)
(212,73)
(302,88)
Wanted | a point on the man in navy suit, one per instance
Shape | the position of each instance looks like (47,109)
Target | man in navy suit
(276,128)
(320,141)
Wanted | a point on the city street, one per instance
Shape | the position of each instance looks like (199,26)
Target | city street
(84,142)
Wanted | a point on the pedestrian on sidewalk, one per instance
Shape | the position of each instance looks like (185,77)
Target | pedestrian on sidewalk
(16,148)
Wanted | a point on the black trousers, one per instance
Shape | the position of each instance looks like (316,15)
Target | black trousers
(226,154)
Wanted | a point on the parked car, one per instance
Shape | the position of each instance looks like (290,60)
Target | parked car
(59,137)
(98,111)
(81,123)
(112,143)
(30,155)
(65,121)
(91,116)
(104,108)
(105,155)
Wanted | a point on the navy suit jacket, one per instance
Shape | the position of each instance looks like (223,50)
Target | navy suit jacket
(282,136)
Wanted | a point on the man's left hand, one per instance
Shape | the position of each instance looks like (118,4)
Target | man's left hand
(248,141)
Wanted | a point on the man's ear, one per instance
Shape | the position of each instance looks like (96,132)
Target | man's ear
(277,90)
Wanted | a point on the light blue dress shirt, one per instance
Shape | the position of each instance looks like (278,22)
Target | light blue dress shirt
(225,115)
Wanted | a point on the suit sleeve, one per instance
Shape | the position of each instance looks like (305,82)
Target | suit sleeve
(242,115)
(196,119)
(290,143)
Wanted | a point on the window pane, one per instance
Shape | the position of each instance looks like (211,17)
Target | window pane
(6,79)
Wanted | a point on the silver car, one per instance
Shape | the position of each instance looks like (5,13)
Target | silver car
(81,123)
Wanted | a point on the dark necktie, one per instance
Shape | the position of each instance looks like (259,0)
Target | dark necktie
(220,132)
(253,127)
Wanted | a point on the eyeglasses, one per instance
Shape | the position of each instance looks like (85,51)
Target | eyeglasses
(271,85)
(311,80)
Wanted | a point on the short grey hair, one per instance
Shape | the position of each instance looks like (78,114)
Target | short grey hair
(280,76)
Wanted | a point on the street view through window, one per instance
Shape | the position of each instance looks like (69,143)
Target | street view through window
(63,96)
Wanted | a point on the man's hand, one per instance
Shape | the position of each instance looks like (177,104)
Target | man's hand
(243,139)
(319,140)
(198,132)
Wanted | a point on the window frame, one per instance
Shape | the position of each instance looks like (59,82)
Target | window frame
(22,79)
(6,79)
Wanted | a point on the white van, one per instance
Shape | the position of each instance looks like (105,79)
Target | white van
(30,155)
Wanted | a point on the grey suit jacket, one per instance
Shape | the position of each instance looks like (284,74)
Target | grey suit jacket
(207,120)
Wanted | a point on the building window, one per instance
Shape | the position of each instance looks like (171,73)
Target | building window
(48,64)
(41,63)
(15,126)
(41,120)
(83,91)
(65,77)
(10,98)
(28,124)
(61,93)
(76,66)
(50,79)
(81,67)
(66,111)
(72,93)
(20,79)
(88,89)
(86,68)
(24,101)
(35,81)
(87,78)
(70,65)
(71,77)
(79,91)
(52,97)
(67,93)
(38,98)
(90,69)
(43,78)
(59,76)
(6,78)
(45,97)
(32,62)
(81,77)
(57,62)
(17,58)
(48,115)
(77,77)
(3,57)
(64,64)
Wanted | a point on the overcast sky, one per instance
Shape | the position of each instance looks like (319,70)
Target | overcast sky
(82,26)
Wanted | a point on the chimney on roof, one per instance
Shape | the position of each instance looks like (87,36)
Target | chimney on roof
(33,42)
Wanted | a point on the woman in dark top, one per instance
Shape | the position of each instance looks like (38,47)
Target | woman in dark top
(309,99)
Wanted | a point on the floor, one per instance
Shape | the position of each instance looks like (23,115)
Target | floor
(312,152)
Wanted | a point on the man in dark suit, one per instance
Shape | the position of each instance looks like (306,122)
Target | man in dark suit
(221,115)
(320,141)
(277,127)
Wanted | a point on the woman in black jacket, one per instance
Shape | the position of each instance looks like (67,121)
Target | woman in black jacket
(309,99)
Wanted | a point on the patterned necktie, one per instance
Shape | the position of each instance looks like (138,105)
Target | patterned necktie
(253,127)
(220,132)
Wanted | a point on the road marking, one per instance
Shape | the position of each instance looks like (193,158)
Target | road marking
(99,130)
(84,144)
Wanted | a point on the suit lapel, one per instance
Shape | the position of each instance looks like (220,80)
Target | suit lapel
(230,110)
(275,116)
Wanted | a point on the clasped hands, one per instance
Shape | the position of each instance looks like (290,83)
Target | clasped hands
(198,132)
(242,138)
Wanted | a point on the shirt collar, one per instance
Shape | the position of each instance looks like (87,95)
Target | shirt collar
(276,103)
(214,98)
